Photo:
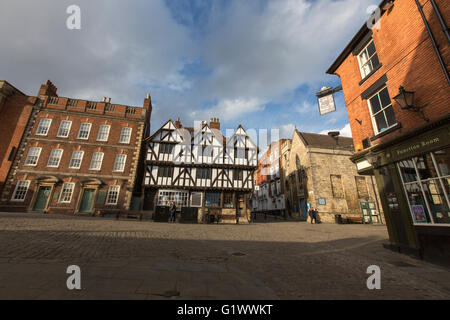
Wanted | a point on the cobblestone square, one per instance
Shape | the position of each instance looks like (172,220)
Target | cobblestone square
(146,260)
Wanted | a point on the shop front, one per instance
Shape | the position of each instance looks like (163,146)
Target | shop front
(413,177)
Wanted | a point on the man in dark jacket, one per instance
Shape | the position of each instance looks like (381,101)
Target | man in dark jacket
(311,214)
(173,212)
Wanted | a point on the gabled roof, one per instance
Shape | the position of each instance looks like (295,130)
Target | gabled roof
(325,141)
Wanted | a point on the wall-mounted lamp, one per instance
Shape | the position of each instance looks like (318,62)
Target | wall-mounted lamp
(406,101)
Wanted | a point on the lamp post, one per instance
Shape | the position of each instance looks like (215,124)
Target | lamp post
(406,101)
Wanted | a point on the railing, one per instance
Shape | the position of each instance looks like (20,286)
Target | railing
(72,102)
(53,100)
(109,108)
(91,105)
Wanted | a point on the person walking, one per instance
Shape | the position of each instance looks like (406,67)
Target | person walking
(311,214)
(316,216)
(173,212)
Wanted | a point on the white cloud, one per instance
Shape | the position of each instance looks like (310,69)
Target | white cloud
(345,131)
(227,110)
(287,131)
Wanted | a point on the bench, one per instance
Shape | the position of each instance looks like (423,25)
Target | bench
(354,220)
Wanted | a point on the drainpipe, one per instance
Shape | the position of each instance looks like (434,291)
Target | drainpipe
(430,34)
(441,20)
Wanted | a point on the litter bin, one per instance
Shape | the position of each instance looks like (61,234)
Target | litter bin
(338,219)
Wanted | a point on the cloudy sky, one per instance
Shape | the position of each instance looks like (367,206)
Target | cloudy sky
(252,62)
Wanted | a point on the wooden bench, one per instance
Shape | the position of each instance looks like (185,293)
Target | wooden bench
(354,220)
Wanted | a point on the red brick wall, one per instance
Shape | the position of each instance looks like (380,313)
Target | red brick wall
(408,58)
(14,115)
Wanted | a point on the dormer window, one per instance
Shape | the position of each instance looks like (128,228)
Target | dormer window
(368,59)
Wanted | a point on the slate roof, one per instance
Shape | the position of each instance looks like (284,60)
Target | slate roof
(325,141)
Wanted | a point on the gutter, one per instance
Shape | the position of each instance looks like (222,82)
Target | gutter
(433,40)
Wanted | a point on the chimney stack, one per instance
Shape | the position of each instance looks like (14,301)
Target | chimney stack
(214,123)
(48,89)
(178,123)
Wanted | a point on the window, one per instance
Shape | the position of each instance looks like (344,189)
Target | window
(21,190)
(196,199)
(165,197)
(119,164)
(212,199)
(75,161)
(125,135)
(54,158)
(33,156)
(64,129)
(165,172)
(361,187)
(85,129)
(166,148)
(228,200)
(426,183)
(336,186)
(103,133)
(113,195)
(66,193)
(239,174)
(239,153)
(96,162)
(203,173)
(43,127)
(368,60)
(381,110)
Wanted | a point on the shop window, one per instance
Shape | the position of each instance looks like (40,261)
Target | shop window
(212,199)
(228,200)
(165,198)
(426,184)
(196,199)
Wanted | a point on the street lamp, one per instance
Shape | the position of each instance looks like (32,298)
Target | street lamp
(406,101)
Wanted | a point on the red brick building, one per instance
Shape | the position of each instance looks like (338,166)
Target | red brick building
(15,110)
(78,156)
(404,142)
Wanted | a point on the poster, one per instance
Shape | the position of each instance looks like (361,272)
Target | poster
(418,212)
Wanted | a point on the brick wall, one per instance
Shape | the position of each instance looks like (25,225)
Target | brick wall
(409,60)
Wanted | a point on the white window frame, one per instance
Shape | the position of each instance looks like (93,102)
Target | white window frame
(26,184)
(96,161)
(100,133)
(42,127)
(72,158)
(62,195)
(121,163)
(52,157)
(59,135)
(122,135)
(369,60)
(372,115)
(39,150)
(88,131)
(108,195)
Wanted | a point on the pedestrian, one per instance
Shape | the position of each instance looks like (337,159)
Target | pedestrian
(311,214)
(173,212)
(316,216)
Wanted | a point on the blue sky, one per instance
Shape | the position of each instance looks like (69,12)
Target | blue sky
(257,63)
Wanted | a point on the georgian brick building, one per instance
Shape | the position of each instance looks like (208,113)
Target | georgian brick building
(15,110)
(405,142)
(269,194)
(77,156)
